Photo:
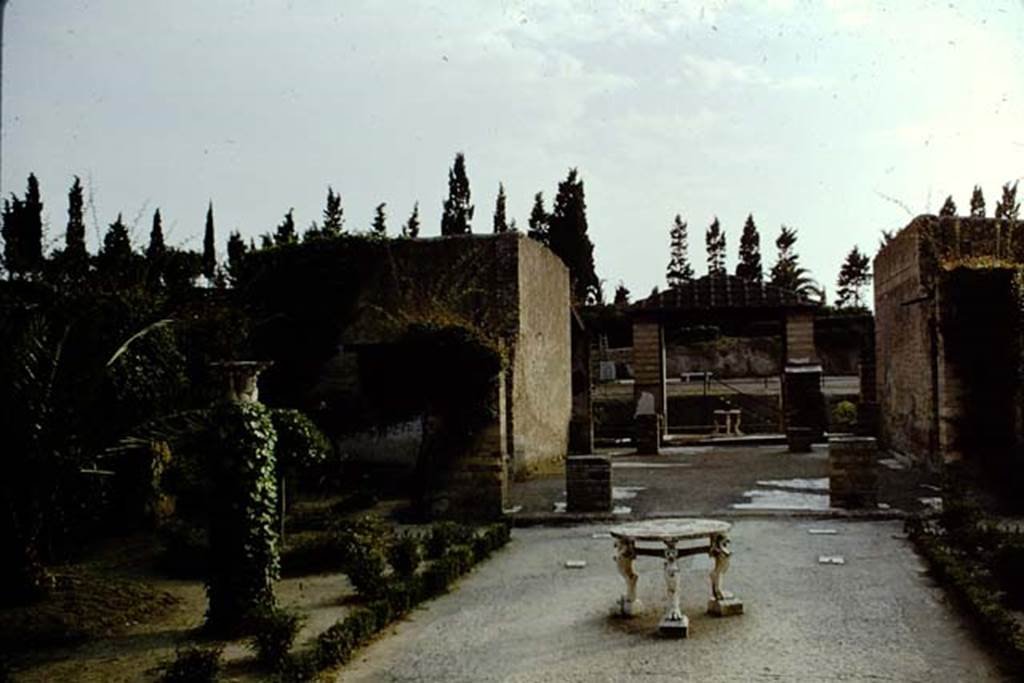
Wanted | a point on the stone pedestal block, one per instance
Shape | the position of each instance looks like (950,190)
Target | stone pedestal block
(588,483)
(853,472)
(799,439)
(867,419)
(726,607)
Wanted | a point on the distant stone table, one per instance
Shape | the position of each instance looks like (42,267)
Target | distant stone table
(664,537)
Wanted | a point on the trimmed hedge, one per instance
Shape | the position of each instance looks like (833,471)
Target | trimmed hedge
(979,564)
(400,594)
(193,664)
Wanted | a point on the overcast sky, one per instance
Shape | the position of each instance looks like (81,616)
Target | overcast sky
(803,113)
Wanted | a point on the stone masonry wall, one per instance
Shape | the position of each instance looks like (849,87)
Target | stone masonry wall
(904,347)
(542,361)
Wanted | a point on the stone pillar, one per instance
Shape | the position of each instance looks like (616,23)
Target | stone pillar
(799,342)
(649,392)
(588,483)
(867,407)
(853,472)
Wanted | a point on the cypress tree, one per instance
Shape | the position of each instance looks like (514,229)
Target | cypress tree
(411,229)
(457,212)
(380,227)
(74,236)
(567,237)
(334,215)
(948,207)
(1008,207)
(116,253)
(500,224)
(23,231)
(209,246)
(977,203)
(285,233)
(236,254)
(538,221)
(679,268)
(156,248)
(714,241)
(749,266)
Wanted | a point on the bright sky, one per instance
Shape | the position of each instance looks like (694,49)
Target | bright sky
(804,113)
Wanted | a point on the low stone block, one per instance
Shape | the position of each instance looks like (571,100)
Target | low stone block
(675,628)
(726,607)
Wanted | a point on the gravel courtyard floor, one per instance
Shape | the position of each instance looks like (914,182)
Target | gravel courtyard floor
(523,616)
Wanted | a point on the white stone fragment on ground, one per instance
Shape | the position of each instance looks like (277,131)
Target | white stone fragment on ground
(626,492)
(884,506)
(892,464)
(575,564)
(831,559)
(621,510)
(933,502)
(513,510)
(560,506)
(601,534)
(822,532)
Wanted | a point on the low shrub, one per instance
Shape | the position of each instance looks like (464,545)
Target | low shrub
(405,555)
(1008,567)
(193,664)
(311,553)
(844,416)
(275,633)
(443,535)
(363,543)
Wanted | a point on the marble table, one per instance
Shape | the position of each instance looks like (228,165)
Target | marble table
(671,539)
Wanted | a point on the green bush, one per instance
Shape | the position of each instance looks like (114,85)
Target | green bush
(275,633)
(193,664)
(363,543)
(844,416)
(300,443)
(405,555)
(312,554)
(443,535)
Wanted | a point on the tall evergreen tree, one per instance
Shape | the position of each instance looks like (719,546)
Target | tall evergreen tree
(380,227)
(714,241)
(411,229)
(334,215)
(209,246)
(567,237)
(74,236)
(538,221)
(156,248)
(23,231)
(285,233)
(1008,207)
(621,295)
(977,203)
(948,207)
(457,213)
(236,254)
(679,268)
(116,253)
(749,266)
(854,275)
(500,224)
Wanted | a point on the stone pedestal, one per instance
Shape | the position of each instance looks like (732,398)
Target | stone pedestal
(799,439)
(867,419)
(853,472)
(588,483)
(725,607)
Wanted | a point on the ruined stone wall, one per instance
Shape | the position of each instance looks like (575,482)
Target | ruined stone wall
(904,329)
(541,360)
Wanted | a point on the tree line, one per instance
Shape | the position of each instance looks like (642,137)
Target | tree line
(564,230)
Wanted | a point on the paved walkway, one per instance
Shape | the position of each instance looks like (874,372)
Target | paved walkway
(523,617)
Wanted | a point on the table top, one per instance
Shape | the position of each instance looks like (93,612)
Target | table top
(670,529)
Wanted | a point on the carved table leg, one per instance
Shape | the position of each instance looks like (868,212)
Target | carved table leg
(629,605)
(722,603)
(674,622)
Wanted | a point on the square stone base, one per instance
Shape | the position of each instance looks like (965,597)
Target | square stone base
(675,628)
(627,609)
(726,607)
